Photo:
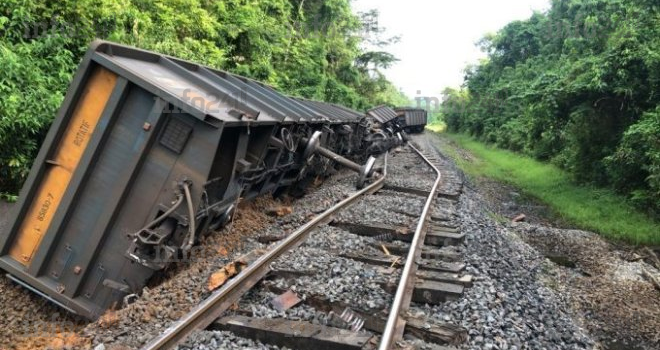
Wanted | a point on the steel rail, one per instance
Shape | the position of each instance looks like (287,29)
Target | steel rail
(394,327)
(211,308)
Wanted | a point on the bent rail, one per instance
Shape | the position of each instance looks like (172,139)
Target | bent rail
(393,331)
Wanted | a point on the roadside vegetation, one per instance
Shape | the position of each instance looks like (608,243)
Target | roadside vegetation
(587,207)
(436,121)
(437,127)
(577,87)
(308,48)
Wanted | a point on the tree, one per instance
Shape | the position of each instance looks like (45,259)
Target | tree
(578,86)
(308,48)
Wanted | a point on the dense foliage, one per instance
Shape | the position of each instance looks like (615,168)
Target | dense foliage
(309,48)
(578,86)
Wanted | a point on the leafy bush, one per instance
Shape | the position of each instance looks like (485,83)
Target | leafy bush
(635,165)
(308,48)
(35,76)
(579,86)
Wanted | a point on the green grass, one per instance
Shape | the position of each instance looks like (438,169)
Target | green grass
(436,126)
(595,209)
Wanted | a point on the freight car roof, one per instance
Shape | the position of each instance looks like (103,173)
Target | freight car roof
(382,114)
(326,109)
(209,94)
(405,109)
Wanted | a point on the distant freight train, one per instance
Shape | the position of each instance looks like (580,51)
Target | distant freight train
(412,120)
(148,153)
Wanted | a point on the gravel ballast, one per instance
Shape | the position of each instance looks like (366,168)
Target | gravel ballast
(508,307)
(539,286)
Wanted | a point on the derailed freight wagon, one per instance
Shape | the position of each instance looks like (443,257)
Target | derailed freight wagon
(387,131)
(412,120)
(147,153)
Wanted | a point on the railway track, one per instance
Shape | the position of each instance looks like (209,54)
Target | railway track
(209,310)
(336,323)
(395,325)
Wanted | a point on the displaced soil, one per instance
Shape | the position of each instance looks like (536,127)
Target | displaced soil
(36,323)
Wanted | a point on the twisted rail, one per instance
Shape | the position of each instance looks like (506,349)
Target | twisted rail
(395,325)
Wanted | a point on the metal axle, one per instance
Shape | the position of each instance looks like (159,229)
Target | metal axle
(365,171)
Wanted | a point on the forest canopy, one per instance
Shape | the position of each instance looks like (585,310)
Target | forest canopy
(578,85)
(309,48)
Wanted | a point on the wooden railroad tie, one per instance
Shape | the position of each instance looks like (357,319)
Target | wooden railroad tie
(294,334)
(374,320)
(438,235)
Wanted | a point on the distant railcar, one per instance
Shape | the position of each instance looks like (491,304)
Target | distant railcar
(413,120)
(147,153)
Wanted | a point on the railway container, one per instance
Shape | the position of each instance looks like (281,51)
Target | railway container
(147,153)
(387,130)
(413,120)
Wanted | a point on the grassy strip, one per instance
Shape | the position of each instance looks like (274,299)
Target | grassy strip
(436,127)
(595,209)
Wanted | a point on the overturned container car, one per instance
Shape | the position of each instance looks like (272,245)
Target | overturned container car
(386,130)
(147,153)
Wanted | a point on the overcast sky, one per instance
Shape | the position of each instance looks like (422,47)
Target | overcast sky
(438,37)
